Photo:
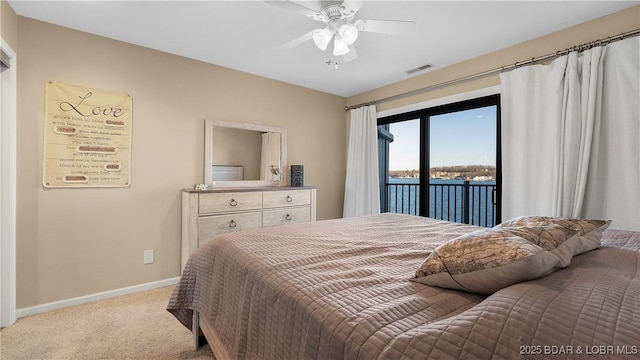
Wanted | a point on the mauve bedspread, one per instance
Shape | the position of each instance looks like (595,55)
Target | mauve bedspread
(340,289)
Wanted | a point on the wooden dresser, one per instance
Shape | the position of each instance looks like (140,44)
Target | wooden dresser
(206,214)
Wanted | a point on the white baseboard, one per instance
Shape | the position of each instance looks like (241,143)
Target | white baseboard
(94,297)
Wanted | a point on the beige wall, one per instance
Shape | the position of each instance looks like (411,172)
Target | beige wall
(8,25)
(74,242)
(613,24)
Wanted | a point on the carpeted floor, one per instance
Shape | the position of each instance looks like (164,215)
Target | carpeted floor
(135,326)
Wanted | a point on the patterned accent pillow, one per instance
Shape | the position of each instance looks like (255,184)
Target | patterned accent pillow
(488,260)
(590,230)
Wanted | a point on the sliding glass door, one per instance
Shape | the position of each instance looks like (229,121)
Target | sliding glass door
(443,162)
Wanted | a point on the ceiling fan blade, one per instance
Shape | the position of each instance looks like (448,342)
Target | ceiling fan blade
(352,6)
(351,55)
(291,6)
(398,27)
(299,40)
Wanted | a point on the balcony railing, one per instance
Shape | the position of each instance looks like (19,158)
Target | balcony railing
(457,201)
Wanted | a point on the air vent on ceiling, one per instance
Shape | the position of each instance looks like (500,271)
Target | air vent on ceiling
(419,68)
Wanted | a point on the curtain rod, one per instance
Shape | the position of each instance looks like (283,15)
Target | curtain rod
(532,61)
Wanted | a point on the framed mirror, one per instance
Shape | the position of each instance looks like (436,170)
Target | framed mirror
(238,154)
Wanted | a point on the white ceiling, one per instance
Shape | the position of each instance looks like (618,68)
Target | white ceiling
(246,35)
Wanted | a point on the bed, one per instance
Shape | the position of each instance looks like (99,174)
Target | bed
(347,289)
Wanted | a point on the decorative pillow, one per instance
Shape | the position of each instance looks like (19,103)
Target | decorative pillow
(488,260)
(556,239)
(590,230)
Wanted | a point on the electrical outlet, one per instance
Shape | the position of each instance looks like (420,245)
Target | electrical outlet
(148,256)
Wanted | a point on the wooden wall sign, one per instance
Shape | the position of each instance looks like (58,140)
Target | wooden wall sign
(87,137)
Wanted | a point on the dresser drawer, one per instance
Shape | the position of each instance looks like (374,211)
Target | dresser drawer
(210,226)
(226,202)
(285,216)
(281,198)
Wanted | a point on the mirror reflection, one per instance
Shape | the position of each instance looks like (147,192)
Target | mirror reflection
(236,154)
(243,154)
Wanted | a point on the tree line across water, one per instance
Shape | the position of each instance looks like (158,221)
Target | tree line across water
(463,172)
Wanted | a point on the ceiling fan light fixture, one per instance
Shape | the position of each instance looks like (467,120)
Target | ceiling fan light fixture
(322,38)
(348,33)
(340,47)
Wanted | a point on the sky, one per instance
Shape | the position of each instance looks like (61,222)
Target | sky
(460,138)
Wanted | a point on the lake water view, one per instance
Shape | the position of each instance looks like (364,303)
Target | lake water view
(446,199)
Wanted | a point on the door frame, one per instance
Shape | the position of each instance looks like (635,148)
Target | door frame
(8,95)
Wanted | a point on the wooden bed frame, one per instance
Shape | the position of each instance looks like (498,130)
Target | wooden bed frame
(204,333)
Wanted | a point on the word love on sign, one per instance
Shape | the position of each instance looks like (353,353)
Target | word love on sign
(87,137)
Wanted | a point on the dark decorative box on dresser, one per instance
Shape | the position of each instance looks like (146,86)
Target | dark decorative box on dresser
(297,175)
(206,214)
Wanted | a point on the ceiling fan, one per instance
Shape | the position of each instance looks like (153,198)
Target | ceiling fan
(339,25)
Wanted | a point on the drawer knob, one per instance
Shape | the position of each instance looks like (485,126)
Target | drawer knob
(233,202)
(233,224)
(289,198)
(288,217)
